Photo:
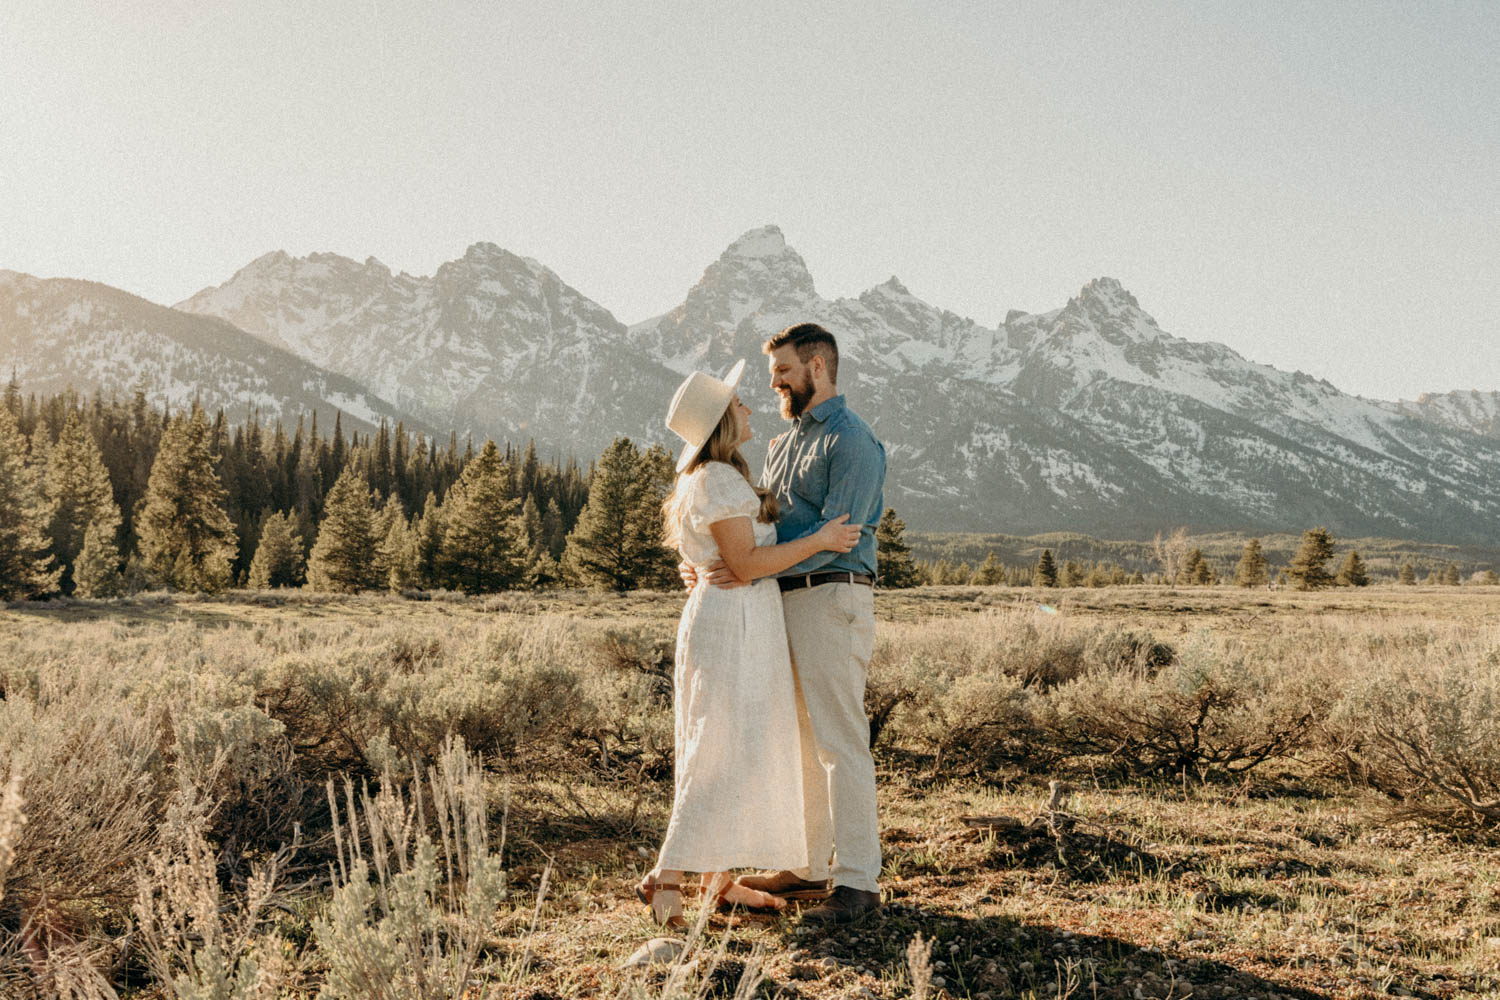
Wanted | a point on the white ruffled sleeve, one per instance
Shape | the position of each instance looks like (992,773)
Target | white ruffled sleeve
(719,494)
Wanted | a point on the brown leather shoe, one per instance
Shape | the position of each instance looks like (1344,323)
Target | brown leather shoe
(845,906)
(787,885)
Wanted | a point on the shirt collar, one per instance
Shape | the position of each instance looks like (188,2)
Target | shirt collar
(823,410)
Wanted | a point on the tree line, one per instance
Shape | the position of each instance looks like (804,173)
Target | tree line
(1181,564)
(101,497)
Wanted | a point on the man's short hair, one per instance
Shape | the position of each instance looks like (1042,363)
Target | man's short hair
(808,339)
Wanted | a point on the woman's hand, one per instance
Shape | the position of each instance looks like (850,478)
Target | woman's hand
(838,535)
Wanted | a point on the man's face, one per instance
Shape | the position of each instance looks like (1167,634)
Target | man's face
(791,380)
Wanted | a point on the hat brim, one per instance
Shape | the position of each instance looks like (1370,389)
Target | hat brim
(730,380)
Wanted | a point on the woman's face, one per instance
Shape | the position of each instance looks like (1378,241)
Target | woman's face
(742,420)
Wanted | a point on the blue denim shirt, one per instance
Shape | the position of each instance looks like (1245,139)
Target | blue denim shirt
(829,463)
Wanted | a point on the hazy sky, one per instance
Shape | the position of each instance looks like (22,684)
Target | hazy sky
(1315,184)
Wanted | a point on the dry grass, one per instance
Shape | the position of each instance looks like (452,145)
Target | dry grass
(1295,878)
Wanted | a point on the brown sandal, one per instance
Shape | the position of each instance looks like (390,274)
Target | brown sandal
(646,891)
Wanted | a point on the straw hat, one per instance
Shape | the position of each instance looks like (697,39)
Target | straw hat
(698,407)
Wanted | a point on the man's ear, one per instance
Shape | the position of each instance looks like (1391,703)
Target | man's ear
(817,366)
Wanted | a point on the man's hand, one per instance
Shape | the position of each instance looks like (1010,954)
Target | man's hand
(688,573)
(721,576)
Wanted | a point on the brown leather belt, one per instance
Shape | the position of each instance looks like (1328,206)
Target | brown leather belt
(818,579)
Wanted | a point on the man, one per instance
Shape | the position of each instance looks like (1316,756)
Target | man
(829,463)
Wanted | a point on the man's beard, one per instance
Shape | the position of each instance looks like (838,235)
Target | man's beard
(795,399)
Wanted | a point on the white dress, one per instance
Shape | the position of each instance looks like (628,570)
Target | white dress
(738,788)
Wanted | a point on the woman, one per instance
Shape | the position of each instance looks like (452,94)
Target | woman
(738,789)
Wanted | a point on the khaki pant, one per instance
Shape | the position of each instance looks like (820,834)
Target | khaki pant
(831,630)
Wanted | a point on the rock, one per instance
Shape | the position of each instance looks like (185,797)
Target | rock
(656,951)
(805,972)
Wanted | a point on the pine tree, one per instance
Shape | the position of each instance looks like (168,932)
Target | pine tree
(25,566)
(894,568)
(1194,570)
(1489,579)
(77,486)
(12,400)
(398,553)
(544,572)
(186,539)
(1045,574)
(380,528)
(1251,570)
(482,550)
(530,468)
(554,533)
(96,573)
(531,521)
(1451,575)
(1408,575)
(1352,572)
(343,557)
(428,542)
(279,559)
(1307,570)
(990,573)
(617,542)
(1070,575)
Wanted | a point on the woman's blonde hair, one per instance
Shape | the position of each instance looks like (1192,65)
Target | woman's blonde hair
(722,446)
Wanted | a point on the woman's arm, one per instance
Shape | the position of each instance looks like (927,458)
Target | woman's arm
(736,540)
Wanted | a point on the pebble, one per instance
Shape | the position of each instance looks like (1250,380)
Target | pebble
(939,982)
(657,950)
(805,973)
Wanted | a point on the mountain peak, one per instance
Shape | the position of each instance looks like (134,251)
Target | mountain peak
(894,286)
(767,241)
(1108,290)
(482,251)
(267,261)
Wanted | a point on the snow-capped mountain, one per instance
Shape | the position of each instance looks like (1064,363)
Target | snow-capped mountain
(1465,410)
(1089,417)
(58,332)
(493,344)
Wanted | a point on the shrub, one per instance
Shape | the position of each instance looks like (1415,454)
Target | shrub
(240,760)
(975,700)
(89,774)
(1213,708)
(198,944)
(1426,729)
(410,916)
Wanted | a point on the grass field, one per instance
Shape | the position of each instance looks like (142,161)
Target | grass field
(1230,829)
